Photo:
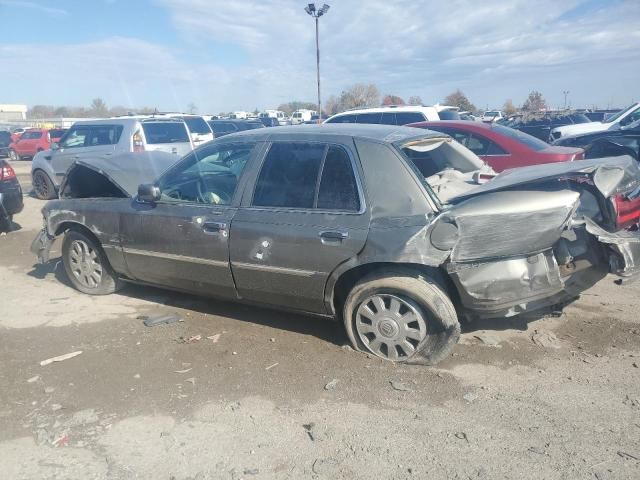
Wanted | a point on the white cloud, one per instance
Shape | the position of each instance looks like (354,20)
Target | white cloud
(52,11)
(493,50)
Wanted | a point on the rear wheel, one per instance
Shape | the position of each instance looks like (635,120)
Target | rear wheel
(401,316)
(13,155)
(87,266)
(43,186)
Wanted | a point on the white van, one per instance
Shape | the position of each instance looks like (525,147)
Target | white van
(239,116)
(301,116)
(396,115)
(279,115)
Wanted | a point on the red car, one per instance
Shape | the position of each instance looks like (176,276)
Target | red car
(33,141)
(502,147)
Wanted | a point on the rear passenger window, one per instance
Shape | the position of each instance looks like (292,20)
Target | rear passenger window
(338,188)
(289,175)
(388,118)
(369,117)
(165,132)
(103,135)
(404,118)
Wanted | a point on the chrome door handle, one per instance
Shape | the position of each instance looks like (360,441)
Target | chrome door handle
(333,235)
(213,228)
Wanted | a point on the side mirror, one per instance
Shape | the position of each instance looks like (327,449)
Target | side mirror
(148,193)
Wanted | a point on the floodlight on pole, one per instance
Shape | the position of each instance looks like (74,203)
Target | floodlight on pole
(316,14)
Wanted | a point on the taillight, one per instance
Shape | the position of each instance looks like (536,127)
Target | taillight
(6,172)
(138,144)
(627,211)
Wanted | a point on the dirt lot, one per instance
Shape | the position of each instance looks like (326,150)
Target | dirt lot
(281,396)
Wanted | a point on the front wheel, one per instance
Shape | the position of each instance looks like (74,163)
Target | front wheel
(13,156)
(401,316)
(43,186)
(87,266)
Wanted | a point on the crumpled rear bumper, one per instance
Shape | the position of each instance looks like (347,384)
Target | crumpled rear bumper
(41,246)
(503,287)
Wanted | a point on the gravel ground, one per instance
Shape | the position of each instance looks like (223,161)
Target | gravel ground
(277,395)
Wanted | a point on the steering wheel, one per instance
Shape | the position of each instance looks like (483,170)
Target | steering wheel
(222,198)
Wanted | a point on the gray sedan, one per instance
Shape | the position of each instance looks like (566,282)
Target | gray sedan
(396,231)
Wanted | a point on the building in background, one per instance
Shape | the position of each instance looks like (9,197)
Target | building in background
(10,113)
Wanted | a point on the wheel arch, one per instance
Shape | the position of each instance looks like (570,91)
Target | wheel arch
(339,288)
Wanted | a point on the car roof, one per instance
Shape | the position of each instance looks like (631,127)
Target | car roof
(380,133)
(392,108)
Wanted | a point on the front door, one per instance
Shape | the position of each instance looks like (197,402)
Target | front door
(84,141)
(182,241)
(305,217)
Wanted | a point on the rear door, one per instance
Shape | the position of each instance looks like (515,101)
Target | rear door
(182,241)
(170,137)
(304,217)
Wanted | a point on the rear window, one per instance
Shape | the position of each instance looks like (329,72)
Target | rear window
(370,118)
(343,119)
(197,125)
(165,132)
(449,115)
(530,141)
(223,127)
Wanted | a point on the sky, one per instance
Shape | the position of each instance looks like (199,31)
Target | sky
(242,55)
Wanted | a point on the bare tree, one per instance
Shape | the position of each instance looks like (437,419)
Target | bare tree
(415,100)
(192,108)
(291,107)
(332,105)
(534,102)
(98,108)
(392,100)
(509,108)
(460,100)
(360,95)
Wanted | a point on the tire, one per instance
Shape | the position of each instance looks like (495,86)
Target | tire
(423,329)
(43,186)
(13,156)
(87,266)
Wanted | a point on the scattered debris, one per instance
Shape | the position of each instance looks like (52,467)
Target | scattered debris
(49,390)
(271,366)
(324,466)
(635,364)
(470,397)
(632,402)
(545,339)
(627,456)
(191,339)
(60,358)
(537,450)
(191,380)
(55,407)
(488,339)
(215,338)
(331,385)
(61,441)
(136,376)
(347,348)
(184,371)
(33,379)
(160,319)
(462,436)
(309,429)
(234,353)
(251,471)
(399,386)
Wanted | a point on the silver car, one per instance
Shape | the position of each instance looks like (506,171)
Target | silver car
(393,230)
(103,139)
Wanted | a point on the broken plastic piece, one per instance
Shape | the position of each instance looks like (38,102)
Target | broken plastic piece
(60,358)
(165,318)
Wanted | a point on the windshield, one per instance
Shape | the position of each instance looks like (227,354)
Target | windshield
(197,125)
(31,135)
(449,115)
(491,114)
(616,116)
(165,132)
(529,140)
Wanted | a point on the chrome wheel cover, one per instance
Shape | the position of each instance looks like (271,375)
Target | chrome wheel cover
(84,264)
(390,326)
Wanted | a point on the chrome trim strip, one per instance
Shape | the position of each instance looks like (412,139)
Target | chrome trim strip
(178,258)
(272,269)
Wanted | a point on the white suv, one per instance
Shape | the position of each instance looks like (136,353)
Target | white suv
(621,119)
(400,115)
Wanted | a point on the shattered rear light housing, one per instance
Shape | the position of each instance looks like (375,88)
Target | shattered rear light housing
(7,172)
(627,211)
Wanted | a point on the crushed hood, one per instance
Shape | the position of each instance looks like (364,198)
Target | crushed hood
(610,175)
(128,170)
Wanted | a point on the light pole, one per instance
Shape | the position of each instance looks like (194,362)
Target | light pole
(565,93)
(316,13)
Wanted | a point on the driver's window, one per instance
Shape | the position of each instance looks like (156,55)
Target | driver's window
(206,176)
(75,138)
